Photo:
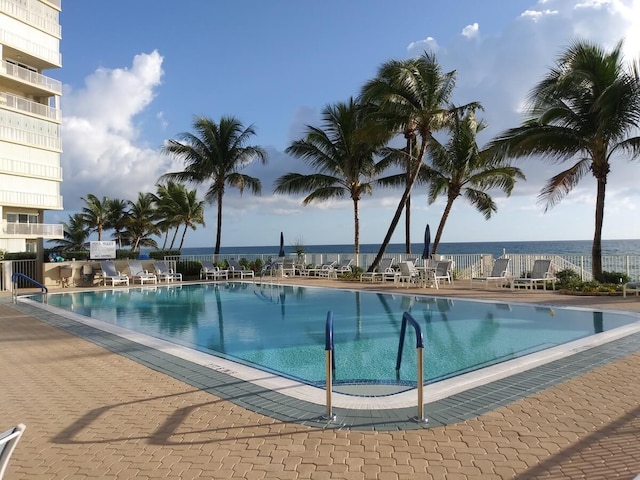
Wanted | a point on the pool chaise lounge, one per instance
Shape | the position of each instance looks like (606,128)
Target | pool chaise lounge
(110,274)
(633,287)
(540,273)
(237,270)
(210,272)
(140,274)
(8,442)
(166,274)
(499,274)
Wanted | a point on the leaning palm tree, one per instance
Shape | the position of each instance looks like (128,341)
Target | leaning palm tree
(141,226)
(585,110)
(167,202)
(117,217)
(190,213)
(96,214)
(411,96)
(216,154)
(459,168)
(76,234)
(343,153)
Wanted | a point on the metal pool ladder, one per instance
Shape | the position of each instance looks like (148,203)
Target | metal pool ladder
(407,318)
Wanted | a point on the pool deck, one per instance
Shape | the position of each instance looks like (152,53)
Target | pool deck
(99,407)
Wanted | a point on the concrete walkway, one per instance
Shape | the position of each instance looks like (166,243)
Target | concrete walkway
(91,413)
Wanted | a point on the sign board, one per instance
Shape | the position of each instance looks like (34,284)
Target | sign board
(102,250)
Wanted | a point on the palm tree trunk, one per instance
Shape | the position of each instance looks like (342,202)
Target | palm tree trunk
(401,205)
(407,213)
(184,233)
(216,252)
(443,220)
(356,231)
(596,248)
(175,236)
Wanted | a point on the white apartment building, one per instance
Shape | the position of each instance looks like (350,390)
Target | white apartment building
(30,121)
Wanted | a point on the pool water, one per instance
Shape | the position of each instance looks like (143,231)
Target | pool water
(281,329)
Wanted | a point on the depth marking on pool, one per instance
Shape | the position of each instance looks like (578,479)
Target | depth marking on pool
(220,368)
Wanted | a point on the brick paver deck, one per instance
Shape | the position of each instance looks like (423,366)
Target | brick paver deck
(91,413)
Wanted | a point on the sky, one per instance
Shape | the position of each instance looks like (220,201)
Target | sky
(135,75)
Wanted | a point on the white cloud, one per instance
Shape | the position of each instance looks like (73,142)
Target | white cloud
(101,155)
(470,31)
(429,44)
(536,15)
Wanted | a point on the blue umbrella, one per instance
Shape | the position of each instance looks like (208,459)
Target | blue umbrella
(427,243)
(281,253)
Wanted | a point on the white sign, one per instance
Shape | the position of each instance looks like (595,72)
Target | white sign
(102,250)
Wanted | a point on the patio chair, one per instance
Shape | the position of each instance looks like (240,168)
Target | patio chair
(164,273)
(383,271)
(633,287)
(110,274)
(540,273)
(8,442)
(209,271)
(324,270)
(237,270)
(288,266)
(139,273)
(409,273)
(442,271)
(344,266)
(499,273)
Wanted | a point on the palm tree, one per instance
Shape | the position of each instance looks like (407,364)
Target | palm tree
(459,168)
(191,212)
(117,217)
(215,154)
(584,111)
(413,98)
(141,226)
(343,153)
(76,234)
(167,202)
(96,214)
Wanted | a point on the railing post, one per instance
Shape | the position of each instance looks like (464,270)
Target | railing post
(406,317)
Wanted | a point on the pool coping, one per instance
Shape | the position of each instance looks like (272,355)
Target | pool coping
(266,401)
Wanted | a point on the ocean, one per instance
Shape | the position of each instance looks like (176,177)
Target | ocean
(560,247)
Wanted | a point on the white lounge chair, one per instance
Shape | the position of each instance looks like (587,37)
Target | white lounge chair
(288,267)
(209,271)
(8,442)
(139,273)
(110,274)
(237,270)
(383,271)
(409,273)
(344,266)
(540,273)
(324,270)
(633,287)
(499,273)
(166,274)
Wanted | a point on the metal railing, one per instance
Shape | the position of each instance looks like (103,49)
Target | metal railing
(29,76)
(331,363)
(407,318)
(15,279)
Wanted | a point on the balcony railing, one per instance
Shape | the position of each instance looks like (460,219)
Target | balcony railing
(30,77)
(28,106)
(34,230)
(29,169)
(28,137)
(29,16)
(17,42)
(31,200)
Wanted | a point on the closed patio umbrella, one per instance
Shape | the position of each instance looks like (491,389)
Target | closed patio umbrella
(281,253)
(427,243)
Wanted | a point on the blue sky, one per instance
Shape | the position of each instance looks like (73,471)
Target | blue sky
(134,75)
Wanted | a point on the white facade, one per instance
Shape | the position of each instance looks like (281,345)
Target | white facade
(30,120)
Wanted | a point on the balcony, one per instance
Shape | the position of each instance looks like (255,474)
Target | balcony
(30,200)
(27,15)
(25,105)
(32,230)
(29,81)
(32,53)
(27,137)
(30,169)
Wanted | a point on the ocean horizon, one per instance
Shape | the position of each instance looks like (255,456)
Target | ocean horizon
(559,247)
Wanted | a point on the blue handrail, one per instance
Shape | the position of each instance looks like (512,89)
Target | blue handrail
(14,280)
(406,317)
(328,339)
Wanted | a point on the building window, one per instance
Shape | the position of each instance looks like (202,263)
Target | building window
(22,218)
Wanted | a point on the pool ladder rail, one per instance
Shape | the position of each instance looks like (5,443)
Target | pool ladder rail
(21,276)
(331,363)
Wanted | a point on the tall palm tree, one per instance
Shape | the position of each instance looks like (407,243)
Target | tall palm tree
(95,214)
(191,212)
(167,202)
(216,153)
(343,153)
(585,110)
(117,217)
(460,168)
(141,226)
(413,98)
(76,233)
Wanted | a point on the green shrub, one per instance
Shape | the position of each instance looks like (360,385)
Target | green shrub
(189,268)
(20,256)
(615,277)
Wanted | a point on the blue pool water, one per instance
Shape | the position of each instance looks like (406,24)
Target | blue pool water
(281,329)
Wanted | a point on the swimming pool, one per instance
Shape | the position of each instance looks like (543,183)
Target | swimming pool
(281,329)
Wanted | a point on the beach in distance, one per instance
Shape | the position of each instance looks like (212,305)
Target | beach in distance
(561,247)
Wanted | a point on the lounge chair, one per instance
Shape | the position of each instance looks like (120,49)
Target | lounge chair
(288,267)
(8,442)
(110,274)
(442,272)
(631,287)
(409,273)
(210,272)
(499,273)
(237,270)
(324,270)
(540,273)
(165,273)
(139,273)
(344,266)
(383,271)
